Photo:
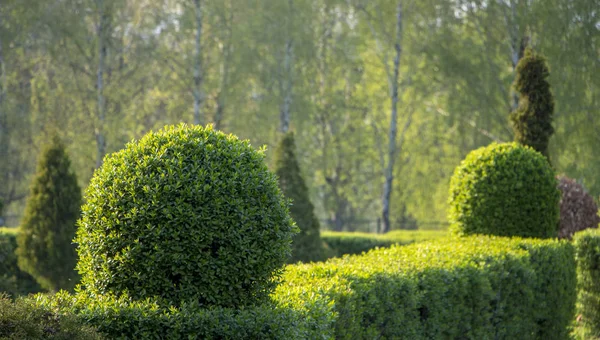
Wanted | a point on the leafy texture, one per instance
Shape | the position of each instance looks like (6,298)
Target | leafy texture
(532,120)
(504,190)
(26,319)
(578,211)
(13,281)
(343,243)
(587,253)
(45,248)
(185,214)
(306,244)
(477,287)
(120,317)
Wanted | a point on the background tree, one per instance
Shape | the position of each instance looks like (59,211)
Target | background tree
(532,120)
(307,245)
(45,249)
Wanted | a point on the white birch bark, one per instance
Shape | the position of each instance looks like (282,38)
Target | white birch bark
(197,91)
(2,92)
(101,36)
(287,88)
(224,71)
(287,100)
(393,132)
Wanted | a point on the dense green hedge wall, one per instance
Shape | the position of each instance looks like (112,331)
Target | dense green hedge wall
(24,318)
(474,288)
(13,281)
(587,252)
(123,318)
(342,243)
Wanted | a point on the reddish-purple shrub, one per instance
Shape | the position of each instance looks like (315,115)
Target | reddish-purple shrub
(578,211)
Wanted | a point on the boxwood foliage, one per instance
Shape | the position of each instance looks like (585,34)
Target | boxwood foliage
(24,318)
(186,213)
(123,318)
(351,243)
(504,190)
(477,287)
(587,245)
(13,281)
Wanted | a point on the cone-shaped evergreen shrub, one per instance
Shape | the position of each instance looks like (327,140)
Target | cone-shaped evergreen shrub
(504,190)
(532,120)
(45,241)
(185,214)
(306,245)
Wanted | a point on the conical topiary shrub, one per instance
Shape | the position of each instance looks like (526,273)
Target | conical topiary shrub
(307,245)
(45,246)
(532,120)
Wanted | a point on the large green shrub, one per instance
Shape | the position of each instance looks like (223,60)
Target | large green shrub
(122,318)
(477,287)
(306,245)
(186,213)
(45,248)
(26,319)
(13,281)
(505,190)
(532,120)
(587,252)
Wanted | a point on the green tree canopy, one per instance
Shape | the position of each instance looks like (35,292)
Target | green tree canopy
(45,249)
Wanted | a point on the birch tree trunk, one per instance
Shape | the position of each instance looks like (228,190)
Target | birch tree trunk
(225,65)
(284,115)
(284,111)
(393,132)
(197,91)
(2,94)
(102,36)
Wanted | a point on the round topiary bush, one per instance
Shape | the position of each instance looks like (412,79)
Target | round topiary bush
(504,190)
(186,213)
(578,211)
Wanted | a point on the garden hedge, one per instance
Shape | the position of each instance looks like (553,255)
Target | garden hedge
(587,252)
(24,318)
(478,287)
(350,243)
(13,281)
(123,318)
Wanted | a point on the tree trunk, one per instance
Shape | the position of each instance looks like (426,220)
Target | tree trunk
(2,94)
(197,92)
(101,35)
(284,115)
(224,73)
(389,171)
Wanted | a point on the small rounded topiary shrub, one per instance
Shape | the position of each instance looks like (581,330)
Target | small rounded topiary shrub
(504,190)
(578,211)
(185,214)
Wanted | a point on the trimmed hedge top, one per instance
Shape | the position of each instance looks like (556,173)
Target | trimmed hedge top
(477,287)
(185,214)
(504,190)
